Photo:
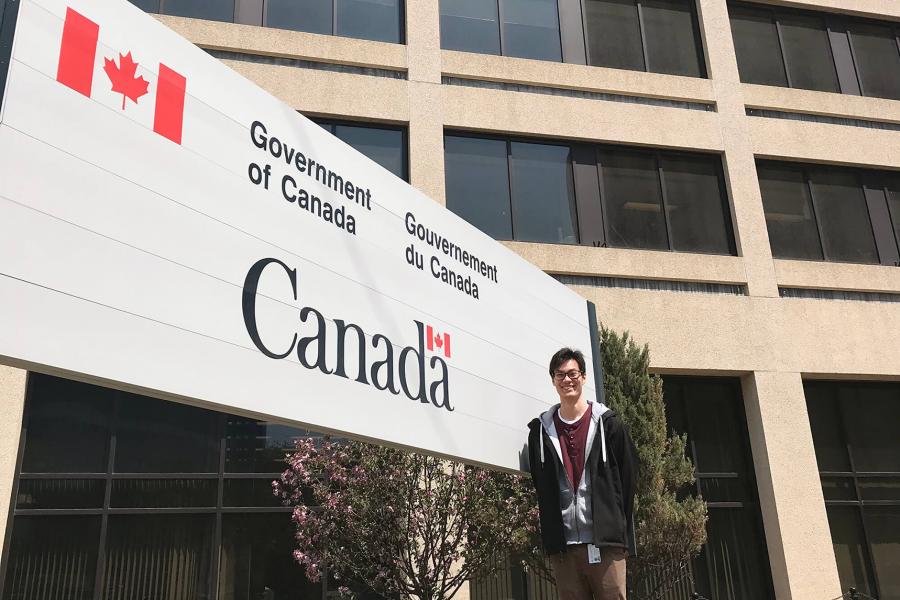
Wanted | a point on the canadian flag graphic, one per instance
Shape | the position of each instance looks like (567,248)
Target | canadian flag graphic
(435,339)
(77,59)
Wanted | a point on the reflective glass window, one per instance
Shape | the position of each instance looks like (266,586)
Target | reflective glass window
(613,33)
(543,197)
(883,525)
(470,26)
(694,204)
(477,183)
(827,429)
(253,446)
(212,10)
(790,219)
(60,493)
(877,59)
(531,29)
(807,52)
(632,200)
(671,36)
(894,206)
(843,216)
(314,16)
(387,147)
(757,47)
(871,418)
(377,20)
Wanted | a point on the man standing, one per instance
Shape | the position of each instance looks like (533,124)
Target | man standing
(583,465)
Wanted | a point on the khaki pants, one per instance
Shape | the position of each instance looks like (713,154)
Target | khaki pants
(576,579)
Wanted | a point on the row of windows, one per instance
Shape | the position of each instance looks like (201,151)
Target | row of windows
(172,538)
(774,45)
(514,189)
(816,51)
(829,213)
(590,195)
(378,20)
(645,35)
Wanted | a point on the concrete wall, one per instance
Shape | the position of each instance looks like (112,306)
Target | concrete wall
(772,343)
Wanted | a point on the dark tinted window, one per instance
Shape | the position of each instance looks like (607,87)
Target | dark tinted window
(158,556)
(711,413)
(632,200)
(369,19)
(257,563)
(877,59)
(65,415)
(614,34)
(757,47)
(807,53)
(597,196)
(470,25)
(543,198)
(253,446)
(789,213)
(387,147)
(894,205)
(164,437)
(694,205)
(213,10)
(52,557)
(315,16)
(384,145)
(858,451)
(477,182)
(530,29)
(671,37)
(843,216)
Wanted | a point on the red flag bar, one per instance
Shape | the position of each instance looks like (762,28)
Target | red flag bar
(77,52)
(168,117)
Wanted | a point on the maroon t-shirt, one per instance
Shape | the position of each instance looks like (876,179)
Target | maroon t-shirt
(572,441)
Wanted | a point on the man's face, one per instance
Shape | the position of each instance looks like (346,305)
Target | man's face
(568,380)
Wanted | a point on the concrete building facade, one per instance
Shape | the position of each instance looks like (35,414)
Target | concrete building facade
(776,326)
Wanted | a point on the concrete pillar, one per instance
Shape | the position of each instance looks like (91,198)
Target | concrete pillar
(12,404)
(790,492)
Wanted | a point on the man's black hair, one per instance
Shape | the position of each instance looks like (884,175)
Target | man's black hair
(565,354)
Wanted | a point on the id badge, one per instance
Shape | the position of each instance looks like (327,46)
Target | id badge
(593,554)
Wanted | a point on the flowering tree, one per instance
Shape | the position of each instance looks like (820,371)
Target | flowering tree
(403,524)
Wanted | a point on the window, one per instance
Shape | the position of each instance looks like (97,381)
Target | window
(644,35)
(149,499)
(520,28)
(854,433)
(590,195)
(734,562)
(385,145)
(816,51)
(829,213)
(379,20)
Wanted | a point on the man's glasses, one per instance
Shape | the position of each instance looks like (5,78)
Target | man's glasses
(574,374)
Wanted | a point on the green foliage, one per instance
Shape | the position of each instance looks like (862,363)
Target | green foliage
(670,529)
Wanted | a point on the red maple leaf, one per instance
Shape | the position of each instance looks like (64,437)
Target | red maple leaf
(123,79)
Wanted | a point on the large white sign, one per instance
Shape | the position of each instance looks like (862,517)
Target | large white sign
(168,225)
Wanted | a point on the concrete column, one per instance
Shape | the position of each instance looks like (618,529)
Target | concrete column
(426,116)
(790,492)
(12,404)
(747,213)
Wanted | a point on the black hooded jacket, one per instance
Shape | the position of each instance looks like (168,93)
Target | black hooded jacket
(612,485)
